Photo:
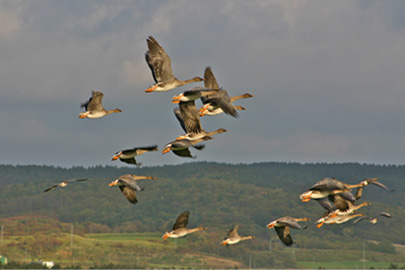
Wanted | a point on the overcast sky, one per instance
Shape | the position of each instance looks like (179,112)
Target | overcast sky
(328,79)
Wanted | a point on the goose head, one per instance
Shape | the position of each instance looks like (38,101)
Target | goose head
(271,224)
(117,155)
(167,148)
(114,183)
(166,235)
(306,196)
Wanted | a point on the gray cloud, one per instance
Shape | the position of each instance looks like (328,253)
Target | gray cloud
(327,79)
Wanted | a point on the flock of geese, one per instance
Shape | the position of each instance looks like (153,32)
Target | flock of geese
(333,195)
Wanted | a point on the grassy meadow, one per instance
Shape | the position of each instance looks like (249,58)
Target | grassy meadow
(149,250)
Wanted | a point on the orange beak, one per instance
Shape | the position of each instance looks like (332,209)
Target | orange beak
(270,226)
(176,99)
(165,236)
(224,242)
(114,183)
(151,89)
(203,113)
(115,157)
(166,150)
(320,224)
(83,115)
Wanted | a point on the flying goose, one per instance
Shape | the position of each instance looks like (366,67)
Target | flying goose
(213,109)
(374,219)
(128,186)
(211,94)
(160,65)
(340,206)
(220,99)
(282,226)
(188,116)
(193,122)
(181,147)
(331,186)
(128,155)
(94,108)
(337,206)
(345,207)
(335,219)
(65,183)
(179,228)
(233,237)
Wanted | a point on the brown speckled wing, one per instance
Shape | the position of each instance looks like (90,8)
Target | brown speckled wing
(209,79)
(129,194)
(284,235)
(182,220)
(190,117)
(95,102)
(158,61)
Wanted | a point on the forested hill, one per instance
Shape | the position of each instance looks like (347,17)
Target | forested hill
(217,195)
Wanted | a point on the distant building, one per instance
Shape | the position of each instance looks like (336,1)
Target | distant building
(48,264)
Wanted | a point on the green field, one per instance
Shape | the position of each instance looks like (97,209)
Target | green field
(130,250)
(149,250)
(344,265)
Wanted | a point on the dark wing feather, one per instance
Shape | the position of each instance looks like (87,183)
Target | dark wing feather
(158,61)
(326,204)
(199,146)
(182,220)
(347,195)
(284,235)
(85,105)
(190,117)
(147,148)
(129,194)
(129,151)
(233,232)
(136,151)
(129,160)
(183,152)
(209,79)
(340,203)
(51,188)
(151,65)
(177,113)
(77,180)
